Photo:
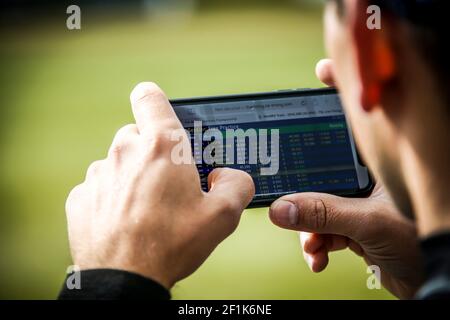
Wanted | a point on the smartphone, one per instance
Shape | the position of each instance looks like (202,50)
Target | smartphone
(289,141)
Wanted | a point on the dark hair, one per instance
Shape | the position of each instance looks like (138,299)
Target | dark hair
(428,20)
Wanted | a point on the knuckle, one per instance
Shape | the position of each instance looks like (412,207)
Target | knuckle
(318,214)
(171,126)
(116,150)
(227,212)
(230,212)
(228,208)
(74,194)
(94,168)
(156,145)
(125,131)
(121,140)
(160,137)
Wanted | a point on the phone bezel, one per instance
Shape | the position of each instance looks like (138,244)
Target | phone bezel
(273,95)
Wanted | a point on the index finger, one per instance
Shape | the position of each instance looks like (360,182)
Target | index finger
(152,110)
(311,242)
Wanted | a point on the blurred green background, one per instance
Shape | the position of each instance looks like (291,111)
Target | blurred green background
(64,94)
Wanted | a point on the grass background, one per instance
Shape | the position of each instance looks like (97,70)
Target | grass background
(63,94)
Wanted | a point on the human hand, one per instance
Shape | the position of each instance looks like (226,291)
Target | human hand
(138,211)
(371,227)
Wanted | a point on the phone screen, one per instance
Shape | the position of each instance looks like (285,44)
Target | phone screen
(288,142)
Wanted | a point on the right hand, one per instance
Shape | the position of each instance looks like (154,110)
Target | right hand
(140,212)
(371,227)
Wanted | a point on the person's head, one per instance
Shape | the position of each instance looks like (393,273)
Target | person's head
(393,83)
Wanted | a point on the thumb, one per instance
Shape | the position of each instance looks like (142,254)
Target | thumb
(230,189)
(322,213)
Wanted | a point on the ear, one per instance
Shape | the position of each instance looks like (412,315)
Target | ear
(375,63)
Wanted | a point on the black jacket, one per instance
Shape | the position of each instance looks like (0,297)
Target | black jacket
(110,284)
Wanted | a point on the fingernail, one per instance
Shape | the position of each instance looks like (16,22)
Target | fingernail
(285,213)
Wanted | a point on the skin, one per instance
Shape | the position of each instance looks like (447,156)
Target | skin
(125,215)
(395,123)
(138,211)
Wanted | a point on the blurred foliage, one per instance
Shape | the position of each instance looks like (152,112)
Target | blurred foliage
(63,94)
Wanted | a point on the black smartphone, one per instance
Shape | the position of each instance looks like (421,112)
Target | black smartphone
(289,141)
